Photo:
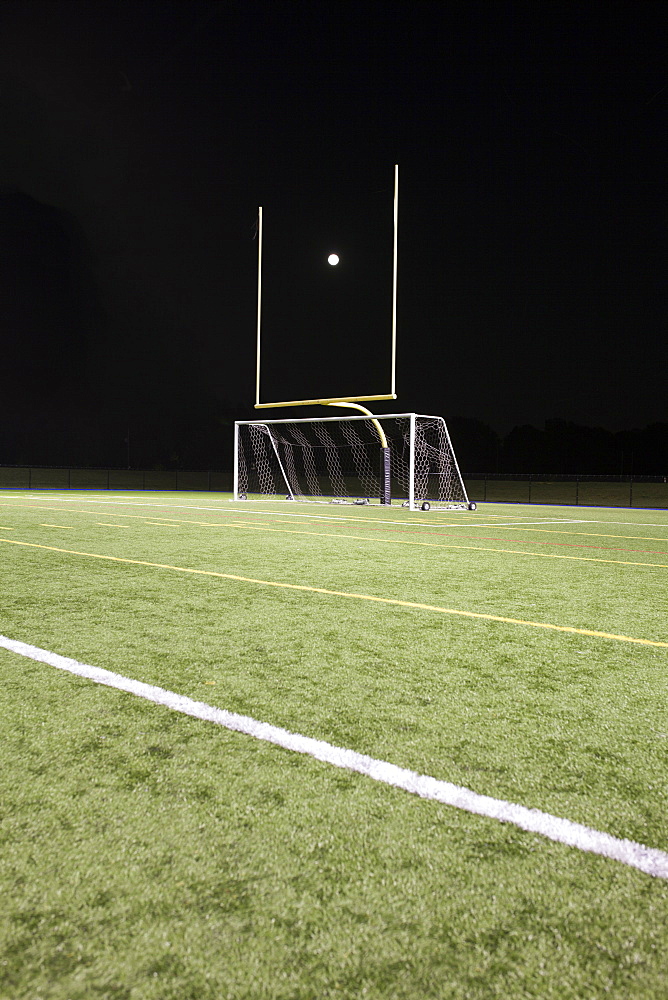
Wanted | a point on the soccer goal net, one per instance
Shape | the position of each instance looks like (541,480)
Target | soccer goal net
(405,457)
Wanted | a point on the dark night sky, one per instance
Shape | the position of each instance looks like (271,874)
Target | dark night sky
(138,139)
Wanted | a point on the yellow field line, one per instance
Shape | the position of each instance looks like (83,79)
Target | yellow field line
(108,524)
(434,545)
(343,593)
(587,534)
(254,526)
(70,527)
(451,524)
(495,527)
(457,522)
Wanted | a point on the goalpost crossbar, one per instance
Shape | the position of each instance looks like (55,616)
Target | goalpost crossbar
(322,402)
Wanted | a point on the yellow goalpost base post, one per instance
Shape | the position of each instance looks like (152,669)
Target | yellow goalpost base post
(385,489)
(349,402)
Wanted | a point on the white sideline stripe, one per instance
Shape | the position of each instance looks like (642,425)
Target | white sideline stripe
(124,500)
(646,859)
(310,516)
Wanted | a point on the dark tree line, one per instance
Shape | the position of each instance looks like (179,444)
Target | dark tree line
(197,433)
(561,448)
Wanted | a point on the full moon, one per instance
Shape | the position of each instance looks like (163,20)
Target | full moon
(333,259)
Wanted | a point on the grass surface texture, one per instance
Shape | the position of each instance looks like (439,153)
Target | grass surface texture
(148,855)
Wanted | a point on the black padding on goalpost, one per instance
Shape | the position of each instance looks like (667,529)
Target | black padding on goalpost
(385,497)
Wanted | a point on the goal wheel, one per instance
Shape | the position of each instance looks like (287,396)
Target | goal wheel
(473,506)
(426,505)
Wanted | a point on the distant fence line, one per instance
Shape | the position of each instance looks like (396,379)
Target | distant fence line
(572,491)
(41,478)
(583,491)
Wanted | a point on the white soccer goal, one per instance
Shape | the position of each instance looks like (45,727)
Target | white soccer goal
(405,457)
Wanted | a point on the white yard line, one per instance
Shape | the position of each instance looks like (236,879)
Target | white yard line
(236,512)
(427,522)
(629,524)
(646,859)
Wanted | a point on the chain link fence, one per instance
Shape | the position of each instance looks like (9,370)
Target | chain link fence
(40,478)
(576,491)
(583,491)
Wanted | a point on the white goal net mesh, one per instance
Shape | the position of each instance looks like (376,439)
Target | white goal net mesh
(341,458)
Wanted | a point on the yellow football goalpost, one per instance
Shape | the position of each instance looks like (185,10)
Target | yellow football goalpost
(334,459)
(331,400)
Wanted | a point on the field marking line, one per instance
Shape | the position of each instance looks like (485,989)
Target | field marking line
(248,526)
(586,534)
(137,499)
(649,860)
(129,497)
(174,522)
(305,588)
(442,545)
(468,519)
(526,526)
(70,527)
(4,527)
(281,513)
(108,524)
(124,501)
(371,523)
(628,524)
(371,526)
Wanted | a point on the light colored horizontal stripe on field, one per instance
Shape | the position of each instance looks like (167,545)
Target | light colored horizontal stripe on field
(262,526)
(241,509)
(373,533)
(292,515)
(305,588)
(587,534)
(443,531)
(427,522)
(439,545)
(484,508)
(70,527)
(646,859)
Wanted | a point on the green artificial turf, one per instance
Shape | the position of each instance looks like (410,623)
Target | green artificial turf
(150,855)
